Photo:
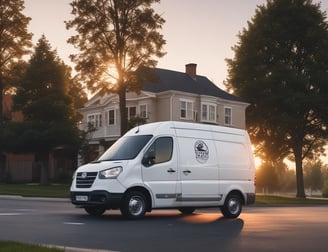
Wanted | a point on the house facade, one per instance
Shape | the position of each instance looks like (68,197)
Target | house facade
(177,96)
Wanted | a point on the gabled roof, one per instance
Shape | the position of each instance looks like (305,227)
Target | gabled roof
(179,81)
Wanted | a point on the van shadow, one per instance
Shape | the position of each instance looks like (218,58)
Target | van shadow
(196,232)
(174,217)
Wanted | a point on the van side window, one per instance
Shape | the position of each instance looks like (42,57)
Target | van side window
(159,152)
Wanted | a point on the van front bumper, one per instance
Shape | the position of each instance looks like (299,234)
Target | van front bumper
(97,198)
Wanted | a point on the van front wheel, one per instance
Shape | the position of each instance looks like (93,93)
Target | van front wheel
(232,206)
(134,205)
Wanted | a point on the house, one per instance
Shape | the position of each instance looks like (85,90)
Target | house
(178,96)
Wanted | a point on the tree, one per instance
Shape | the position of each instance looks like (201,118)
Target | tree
(313,175)
(281,67)
(117,40)
(77,93)
(15,41)
(49,116)
(267,178)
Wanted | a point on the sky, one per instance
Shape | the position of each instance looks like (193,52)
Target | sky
(195,31)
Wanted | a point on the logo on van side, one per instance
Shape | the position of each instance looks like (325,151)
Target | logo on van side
(201,151)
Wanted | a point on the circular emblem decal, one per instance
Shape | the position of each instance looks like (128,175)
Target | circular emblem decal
(201,151)
(84,175)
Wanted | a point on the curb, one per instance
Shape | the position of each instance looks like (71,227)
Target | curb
(34,198)
(72,249)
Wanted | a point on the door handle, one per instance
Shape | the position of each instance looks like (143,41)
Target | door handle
(171,170)
(186,172)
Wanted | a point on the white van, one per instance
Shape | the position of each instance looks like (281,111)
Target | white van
(169,165)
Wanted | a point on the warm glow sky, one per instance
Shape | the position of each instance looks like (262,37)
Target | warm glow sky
(196,31)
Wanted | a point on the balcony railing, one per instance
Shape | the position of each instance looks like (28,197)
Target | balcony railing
(108,131)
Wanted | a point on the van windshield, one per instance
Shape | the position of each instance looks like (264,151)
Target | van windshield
(127,147)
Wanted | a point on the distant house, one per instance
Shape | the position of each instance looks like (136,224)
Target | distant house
(178,96)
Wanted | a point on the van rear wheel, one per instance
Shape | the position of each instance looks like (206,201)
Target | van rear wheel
(95,211)
(187,210)
(232,206)
(134,205)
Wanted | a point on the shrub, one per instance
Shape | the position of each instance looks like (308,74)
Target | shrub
(325,189)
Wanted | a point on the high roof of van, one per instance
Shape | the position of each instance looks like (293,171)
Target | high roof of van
(170,127)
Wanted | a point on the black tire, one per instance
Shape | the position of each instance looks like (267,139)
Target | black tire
(95,210)
(232,206)
(134,205)
(187,210)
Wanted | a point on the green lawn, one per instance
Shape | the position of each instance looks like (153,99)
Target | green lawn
(35,190)
(10,246)
(287,200)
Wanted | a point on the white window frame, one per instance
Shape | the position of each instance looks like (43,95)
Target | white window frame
(95,119)
(115,116)
(187,106)
(227,116)
(143,113)
(208,112)
(128,109)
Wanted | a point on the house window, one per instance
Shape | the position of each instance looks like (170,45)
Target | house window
(95,120)
(227,116)
(186,109)
(111,117)
(131,112)
(208,112)
(143,111)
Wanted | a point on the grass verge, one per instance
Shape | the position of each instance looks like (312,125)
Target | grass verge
(35,190)
(287,200)
(10,246)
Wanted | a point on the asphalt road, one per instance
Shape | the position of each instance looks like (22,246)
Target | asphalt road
(57,222)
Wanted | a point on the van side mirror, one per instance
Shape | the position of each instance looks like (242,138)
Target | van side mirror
(148,159)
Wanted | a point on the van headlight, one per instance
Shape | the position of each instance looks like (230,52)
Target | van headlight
(110,173)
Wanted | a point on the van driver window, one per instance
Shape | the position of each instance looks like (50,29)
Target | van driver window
(159,152)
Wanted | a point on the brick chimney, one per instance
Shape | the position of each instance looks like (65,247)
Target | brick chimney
(191,70)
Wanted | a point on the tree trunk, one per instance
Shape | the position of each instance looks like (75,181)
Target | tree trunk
(299,171)
(42,158)
(123,114)
(1,105)
(1,116)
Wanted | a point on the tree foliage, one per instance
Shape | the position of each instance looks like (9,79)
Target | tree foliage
(49,115)
(117,39)
(314,175)
(281,67)
(15,41)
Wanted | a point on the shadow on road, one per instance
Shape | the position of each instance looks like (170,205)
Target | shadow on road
(165,230)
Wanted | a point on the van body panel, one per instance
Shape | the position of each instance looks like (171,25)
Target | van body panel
(178,164)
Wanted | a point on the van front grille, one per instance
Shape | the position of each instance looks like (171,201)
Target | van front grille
(85,179)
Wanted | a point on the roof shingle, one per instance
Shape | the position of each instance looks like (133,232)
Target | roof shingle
(178,81)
